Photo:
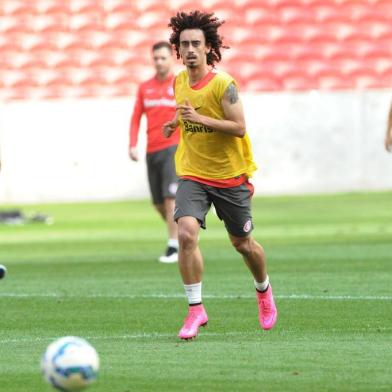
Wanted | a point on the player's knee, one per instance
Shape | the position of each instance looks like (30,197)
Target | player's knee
(187,238)
(242,245)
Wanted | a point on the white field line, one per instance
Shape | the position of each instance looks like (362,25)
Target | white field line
(207,296)
(143,335)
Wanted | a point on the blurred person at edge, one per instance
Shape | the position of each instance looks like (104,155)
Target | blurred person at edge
(155,99)
(388,136)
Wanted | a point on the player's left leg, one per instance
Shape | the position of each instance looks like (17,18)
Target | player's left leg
(168,187)
(233,206)
(171,255)
(254,257)
(160,207)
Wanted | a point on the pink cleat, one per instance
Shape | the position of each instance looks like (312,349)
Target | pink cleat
(267,309)
(197,317)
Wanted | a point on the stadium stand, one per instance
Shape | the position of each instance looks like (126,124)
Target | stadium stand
(276,44)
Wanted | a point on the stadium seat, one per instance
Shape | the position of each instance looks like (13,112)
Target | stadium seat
(332,81)
(86,7)
(119,7)
(17,93)
(322,35)
(326,12)
(67,63)
(8,45)
(297,81)
(22,9)
(378,51)
(52,8)
(262,84)
(260,15)
(295,14)
(353,10)
(278,52)
(32,64)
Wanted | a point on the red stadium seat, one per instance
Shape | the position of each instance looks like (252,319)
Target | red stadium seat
(23,9)
(120,7)
(296,14)
(326,12)
(33,63)
(350,49)
(332,81)
(353,10)
(260,15)
(378,51)
(311,67)
(262,84)
(322,34)
(17,93)
(297,81)
(52,8)
(68,63)
(86,7)
(310,51)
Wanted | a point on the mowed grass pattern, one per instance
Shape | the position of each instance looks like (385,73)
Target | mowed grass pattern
(94,274)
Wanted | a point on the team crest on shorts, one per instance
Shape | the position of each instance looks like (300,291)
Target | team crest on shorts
(173,188)
(247,226)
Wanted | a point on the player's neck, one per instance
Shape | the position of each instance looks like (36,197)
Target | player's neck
(162,77)
(196,74)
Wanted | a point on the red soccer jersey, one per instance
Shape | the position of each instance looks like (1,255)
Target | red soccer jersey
(155,98)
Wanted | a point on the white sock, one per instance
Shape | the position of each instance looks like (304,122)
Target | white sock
(193,293)
(172,243)
(263,285)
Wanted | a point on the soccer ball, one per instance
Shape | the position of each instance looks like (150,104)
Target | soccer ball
(70,364)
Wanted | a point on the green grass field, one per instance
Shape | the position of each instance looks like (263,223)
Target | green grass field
(94,274)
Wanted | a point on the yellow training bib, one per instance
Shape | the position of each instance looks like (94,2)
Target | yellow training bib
(204,152)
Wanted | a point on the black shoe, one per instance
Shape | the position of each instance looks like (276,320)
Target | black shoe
(171,255)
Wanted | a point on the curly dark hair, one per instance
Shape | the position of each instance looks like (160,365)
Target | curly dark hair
(204,21)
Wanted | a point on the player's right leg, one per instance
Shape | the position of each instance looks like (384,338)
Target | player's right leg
(192,205)
(190,262)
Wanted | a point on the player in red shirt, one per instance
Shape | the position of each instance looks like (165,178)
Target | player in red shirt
(155,99)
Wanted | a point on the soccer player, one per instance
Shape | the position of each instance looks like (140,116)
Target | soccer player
(214,161)
(388,136)
(155,99)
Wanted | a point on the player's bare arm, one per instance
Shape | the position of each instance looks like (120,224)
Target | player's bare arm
(234,122)
(388,136)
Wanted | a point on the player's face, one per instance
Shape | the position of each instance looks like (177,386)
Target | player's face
(193,48)
(163,61)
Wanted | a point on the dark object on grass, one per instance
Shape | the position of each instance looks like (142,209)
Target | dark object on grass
(3,271)
(17,217)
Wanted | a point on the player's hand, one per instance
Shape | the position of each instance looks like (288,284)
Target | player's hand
(188,112)
(388,142)
(133,153)
(169,127)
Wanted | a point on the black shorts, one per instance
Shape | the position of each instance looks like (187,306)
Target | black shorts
(162,174)
(232,205)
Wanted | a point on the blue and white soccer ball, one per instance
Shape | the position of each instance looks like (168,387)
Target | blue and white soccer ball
(70,364)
